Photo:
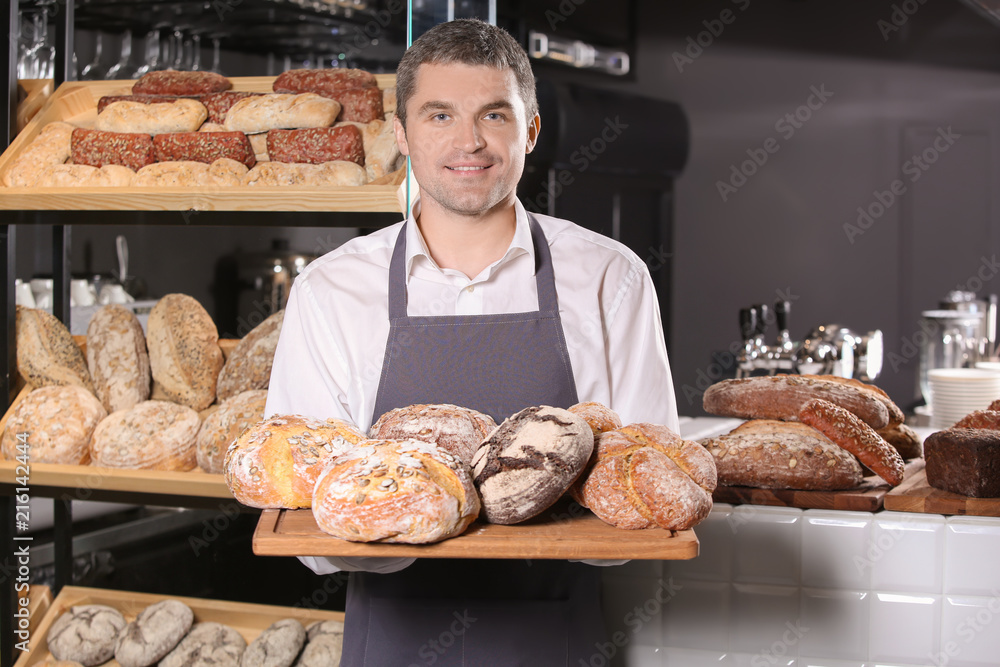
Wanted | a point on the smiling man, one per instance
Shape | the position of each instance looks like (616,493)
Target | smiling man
(471,301)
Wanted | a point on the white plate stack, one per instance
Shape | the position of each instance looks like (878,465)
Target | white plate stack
(955,392)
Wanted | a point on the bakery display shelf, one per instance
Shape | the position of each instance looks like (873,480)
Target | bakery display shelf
(247,619)
(76,103)
(559,534)
(916,495)
(36,92)
(870,496)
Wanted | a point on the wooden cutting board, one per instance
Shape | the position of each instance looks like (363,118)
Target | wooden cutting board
(916,495)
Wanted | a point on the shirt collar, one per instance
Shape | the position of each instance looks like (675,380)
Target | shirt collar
(416,247)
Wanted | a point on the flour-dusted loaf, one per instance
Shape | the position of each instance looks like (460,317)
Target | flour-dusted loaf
(340,172)
(224,172)
(153,634)
(277,646)
(459,431)
(83,176)
(530,461)
(327,627)
(249,364)
(46,352)
(184,354)
(406,491)
(275,463)
(207,645)
(322,651)
(153,435)
(646,476)
(56,423)
(86,633)
(771,454)
(117,358)
(221,428)
(782,397)
(183,115)
(261,113)
(965,461)
(51,146)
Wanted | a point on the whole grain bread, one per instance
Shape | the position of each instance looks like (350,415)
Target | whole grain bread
(117,358)
(46,352)
(249,364)
(56,423)
(184,354)
(153,435)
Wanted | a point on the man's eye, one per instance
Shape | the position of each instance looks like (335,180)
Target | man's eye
(440,116)
(494,116)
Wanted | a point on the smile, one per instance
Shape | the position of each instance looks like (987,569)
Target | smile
(468,168)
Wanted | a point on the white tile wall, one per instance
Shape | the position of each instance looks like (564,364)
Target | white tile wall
(782,587)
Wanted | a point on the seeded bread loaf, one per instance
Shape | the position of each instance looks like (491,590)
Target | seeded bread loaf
(987,419)
(249,364)
(153,435)
(459,431)
(896,415)
(46,352)
(964,461)
(117,358)
(905,440)
(406,491)
(56,423)
(221,428)
(184,354)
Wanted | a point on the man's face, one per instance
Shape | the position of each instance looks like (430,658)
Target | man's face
(466,135)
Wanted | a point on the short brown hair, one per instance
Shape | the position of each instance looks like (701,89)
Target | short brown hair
(470,42)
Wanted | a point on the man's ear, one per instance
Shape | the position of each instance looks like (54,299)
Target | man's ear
(400,132)
(534,127)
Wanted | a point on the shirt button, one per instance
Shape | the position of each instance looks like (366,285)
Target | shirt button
(470,289)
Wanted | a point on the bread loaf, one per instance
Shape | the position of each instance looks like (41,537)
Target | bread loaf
(965,461)
(987,419)
(277,646)
(458,431)
(395,491)
(207,645)
(599,417)
(896,415)
(276,462)
(184,354)
(52,146)
(389,100)
(86,634)
(647,476)
(530,461)
(340,173)
(56,423)
(183,115)
(782,397)
(381,153)
(329,82)
(850,432)
(153,634)
(117,358)
(47,353)
(281,111)
(221,172)
(249,364)
(82,176)
(322,651)
(174,82)
(221,428)
(153,435)
(771,454)
(327,627)
(904,439)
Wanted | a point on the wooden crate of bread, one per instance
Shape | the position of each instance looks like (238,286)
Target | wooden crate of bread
(247,619)
(76,103)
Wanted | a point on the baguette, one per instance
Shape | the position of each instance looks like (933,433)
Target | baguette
(896,415)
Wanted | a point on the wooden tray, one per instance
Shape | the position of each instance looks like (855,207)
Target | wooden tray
(561,535)
(76,103)
(36,91)
(916,495)
(869,497)
(247,619)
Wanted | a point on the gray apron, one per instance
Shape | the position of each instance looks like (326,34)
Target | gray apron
(494,613)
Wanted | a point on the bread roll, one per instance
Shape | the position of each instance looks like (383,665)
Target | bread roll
(221,428)
(183,115)
(405,491)
(117,358)
(153,634)
(249,364)
(56,423)
(381,153)
(340,173)
(207,645)
(82,176)
(458,431)
(51,146)
(530,461)
(153,435)
(281,111)
(174,82)
(184,354)
(965,461)
(782,397)
(86,634)
(276,462)
(647,476)
(772,454)
(221,172)
(277,646)
(46,352)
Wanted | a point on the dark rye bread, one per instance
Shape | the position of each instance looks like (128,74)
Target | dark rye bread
(153,634)
(277,646)
(207,645)
(530,461)
(782,397)
(86,634)
(249,364)
(46,352)
(965,461)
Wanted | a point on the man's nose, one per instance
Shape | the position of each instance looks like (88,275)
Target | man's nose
(468,137)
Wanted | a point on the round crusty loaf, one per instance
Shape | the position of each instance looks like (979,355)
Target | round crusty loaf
(207,645)
(771,454)
(154,435)
(249,364)
(530,461)
(46,352)
(56,423)
(221,428)
(459,431)
(322,651)
(277,646)
(327,627)
(86,634)
(598,416)
(117,358)
(406,491)
(275,463)
(184,354)
(154,633)
(646,476)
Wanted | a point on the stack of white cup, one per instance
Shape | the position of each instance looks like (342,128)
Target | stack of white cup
(955,392)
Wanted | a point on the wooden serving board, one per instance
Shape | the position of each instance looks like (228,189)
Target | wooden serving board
(247,619)
(916,495)
(36,91)
(869,497)
(562,535)
(76,103)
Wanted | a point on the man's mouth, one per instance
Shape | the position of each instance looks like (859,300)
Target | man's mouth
(469,168)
